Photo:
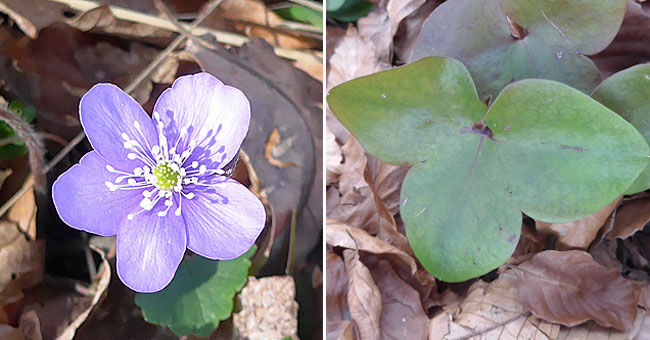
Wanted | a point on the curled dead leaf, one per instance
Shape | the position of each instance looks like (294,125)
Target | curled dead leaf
(631,217)
(571,288)
(364,298)
(402,316)
(337,236)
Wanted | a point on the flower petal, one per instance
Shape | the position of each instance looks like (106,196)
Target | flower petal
(223,229)
(106,112)
(84,202)
(206,106)
(149,250)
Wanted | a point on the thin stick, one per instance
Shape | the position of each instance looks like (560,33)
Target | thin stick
(309,4)
(221,36)
(129,88)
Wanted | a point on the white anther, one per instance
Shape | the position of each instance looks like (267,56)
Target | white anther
(119,179)
(219,172)
(195,164)
(130,217)
(131,181)
(202,169)
(189,195)
(155,149)
(110,168)
(145,203)
(138,171)
(111,186)
(146,169)
(178,211)
(162,213)
(136,125)
(125,136)
(169,203)
(131,156)
(127,144)
(146,193)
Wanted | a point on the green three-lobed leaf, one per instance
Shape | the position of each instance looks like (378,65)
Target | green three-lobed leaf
(543,148)
(551,41)
(199,297)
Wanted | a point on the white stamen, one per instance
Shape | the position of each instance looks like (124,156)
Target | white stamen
(131,181)
(125,136)
(110,168)
(136,125)
(138,171)
(194,164)
(131,156)
(130,217)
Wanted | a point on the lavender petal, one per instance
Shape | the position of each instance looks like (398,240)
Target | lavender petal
(84,202)
(223,223)
(217,116)
(106,112)
(149,250)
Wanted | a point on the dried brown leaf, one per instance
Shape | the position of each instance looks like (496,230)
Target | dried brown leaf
(33,15)
(402,316)
(333,157)
(270,150)
(21,261)
(580,233)
(409,30)
(340,330)
(353,57)
(101,19)
(631,217)
(492,312)
(364,298)
(23,214)
(253,18)
(337,236)
(570,288)
(336,289)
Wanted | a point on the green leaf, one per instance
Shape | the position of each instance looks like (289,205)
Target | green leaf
(333,5)
(351,10)
(302,14)
(542,148)
(199,297)
(556,37)
(628,94)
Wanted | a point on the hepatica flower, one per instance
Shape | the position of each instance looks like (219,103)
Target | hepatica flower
(158,183)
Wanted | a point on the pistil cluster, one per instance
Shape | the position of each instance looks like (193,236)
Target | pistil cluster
(165,173)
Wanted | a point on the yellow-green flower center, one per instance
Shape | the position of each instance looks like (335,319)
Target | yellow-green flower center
(165,178)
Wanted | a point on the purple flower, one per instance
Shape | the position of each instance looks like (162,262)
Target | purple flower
(159,184)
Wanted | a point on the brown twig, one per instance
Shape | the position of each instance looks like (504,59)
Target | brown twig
(33,142)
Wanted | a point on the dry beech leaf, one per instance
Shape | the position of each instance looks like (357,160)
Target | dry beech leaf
(364,298)
(336,289)
(102,19)
(269,150)
(631,217)
(23,213)
(570,288)
(492,312)
(21,262)
(340,330)
(353,57)
(333,158)
(253,18)
(402,316)
(337,236)
(33,15)
(580,233)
